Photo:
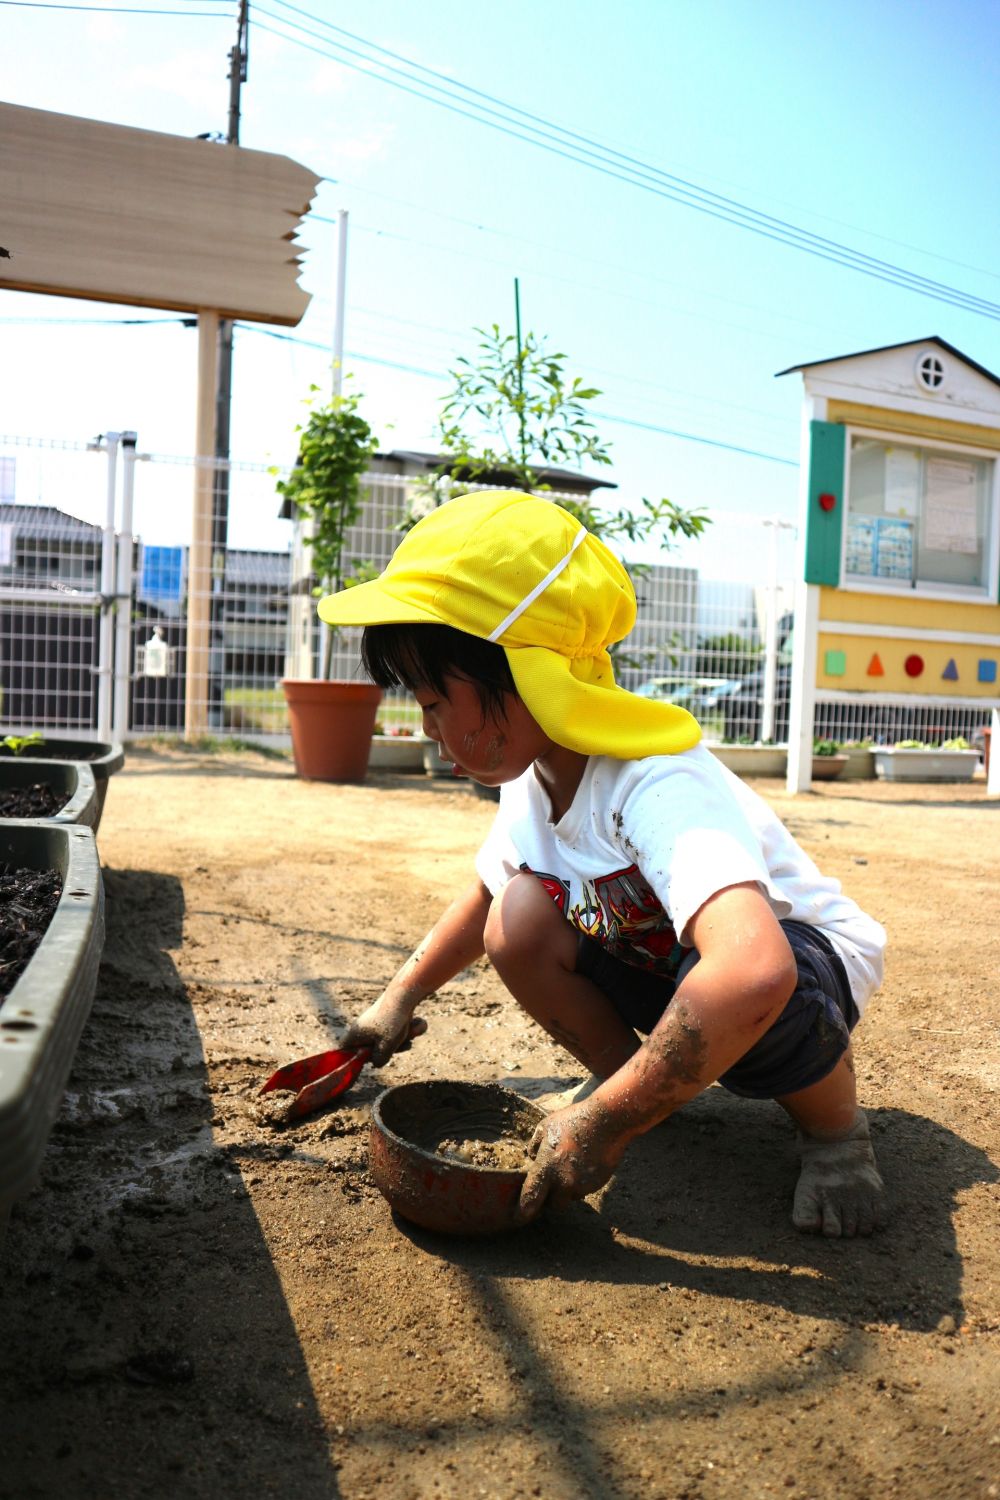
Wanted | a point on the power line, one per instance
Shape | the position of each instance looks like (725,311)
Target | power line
(690,437)
(103,322)
(565,252)
(582,150)
(700,399)
(571,281)
(128,10)
(184,322)
(492,98)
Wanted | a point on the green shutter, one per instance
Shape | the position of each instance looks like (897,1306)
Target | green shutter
(824,528)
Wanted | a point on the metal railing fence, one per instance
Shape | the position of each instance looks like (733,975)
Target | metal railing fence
(97,595)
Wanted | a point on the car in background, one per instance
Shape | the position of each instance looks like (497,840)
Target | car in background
(705,697)
(670,689)
(743,710)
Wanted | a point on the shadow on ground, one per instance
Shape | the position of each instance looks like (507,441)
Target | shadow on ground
(138,1299)
(703,1203)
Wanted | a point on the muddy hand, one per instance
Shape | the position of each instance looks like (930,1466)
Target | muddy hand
(385,1030)
(575,1151)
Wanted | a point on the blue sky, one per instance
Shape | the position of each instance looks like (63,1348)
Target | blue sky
(875,125)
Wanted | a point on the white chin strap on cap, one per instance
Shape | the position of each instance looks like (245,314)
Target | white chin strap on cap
(539,588)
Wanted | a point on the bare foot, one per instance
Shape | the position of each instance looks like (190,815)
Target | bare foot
(839,1191)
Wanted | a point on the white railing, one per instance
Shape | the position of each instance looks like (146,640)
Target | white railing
(94,578)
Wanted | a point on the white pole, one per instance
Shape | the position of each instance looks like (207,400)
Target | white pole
(338,325)
(338,360)
(993,779)
(805,637)
(123,592)
(200,555)
(770,634)
(107,635)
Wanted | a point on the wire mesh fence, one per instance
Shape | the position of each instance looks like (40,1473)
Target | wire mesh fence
(114,620)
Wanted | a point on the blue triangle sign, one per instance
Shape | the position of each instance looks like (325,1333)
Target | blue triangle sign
(950,673)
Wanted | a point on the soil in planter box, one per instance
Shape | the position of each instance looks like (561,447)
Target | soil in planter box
(38,801)
(28,899)
(56,750)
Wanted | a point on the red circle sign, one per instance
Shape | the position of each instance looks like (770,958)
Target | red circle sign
(913,666)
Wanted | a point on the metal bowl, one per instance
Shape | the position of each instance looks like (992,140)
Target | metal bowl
(410,1121)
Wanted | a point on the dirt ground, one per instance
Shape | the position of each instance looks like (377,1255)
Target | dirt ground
(195,1302)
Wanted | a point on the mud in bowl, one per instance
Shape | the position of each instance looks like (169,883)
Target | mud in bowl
(432,1148)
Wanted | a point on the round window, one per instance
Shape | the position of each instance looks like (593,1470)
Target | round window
(930,372)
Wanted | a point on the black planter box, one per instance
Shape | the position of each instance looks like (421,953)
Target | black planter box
(103,759)
(42,1017)
(72,780)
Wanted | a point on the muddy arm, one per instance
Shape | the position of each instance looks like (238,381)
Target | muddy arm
(454,942)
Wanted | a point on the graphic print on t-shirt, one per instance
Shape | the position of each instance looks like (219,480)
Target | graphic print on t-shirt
(622,913)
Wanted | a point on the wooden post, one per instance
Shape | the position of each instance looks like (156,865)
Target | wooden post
(199,580)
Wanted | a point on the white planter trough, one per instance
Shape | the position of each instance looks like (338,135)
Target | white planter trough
(893,764)
(397,752)
(752,760)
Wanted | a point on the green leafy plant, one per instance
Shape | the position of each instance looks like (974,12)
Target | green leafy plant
(514,411)
(827,747)
(335,448)
(18,743)
(958,743)
(911,745)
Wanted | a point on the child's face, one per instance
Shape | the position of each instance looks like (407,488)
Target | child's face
(491,751)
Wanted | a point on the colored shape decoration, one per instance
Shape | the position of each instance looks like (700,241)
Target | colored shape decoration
(875,667)
(913,665)
(835,663)
(950,673)
(987,670)
(827,501)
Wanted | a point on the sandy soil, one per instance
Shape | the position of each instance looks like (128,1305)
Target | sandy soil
(195,1301)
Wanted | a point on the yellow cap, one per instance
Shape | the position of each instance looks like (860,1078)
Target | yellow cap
(521,571)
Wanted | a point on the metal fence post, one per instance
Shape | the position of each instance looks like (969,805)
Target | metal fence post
(110,443)
(123,594)
(770,634)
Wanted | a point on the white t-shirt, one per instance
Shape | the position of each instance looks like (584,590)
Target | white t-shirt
(647,842)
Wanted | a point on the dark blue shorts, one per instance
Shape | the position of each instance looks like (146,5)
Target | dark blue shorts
(804,1044)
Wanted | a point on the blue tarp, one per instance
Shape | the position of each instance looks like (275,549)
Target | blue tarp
(162,575)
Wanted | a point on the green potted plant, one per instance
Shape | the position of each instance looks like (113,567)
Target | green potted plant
(331,721)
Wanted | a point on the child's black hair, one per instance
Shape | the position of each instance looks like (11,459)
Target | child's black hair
(424,656)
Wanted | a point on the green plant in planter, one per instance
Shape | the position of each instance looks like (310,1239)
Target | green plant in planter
(335,447)
(959,743)
(826,747)
(911,745)
(18,743)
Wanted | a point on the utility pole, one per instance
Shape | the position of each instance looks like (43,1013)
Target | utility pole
(340,303)
(223,404)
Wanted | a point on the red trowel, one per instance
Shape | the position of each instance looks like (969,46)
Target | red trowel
(318,1079)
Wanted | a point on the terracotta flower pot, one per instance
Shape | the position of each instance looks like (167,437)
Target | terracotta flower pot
(828,767)
(331,725)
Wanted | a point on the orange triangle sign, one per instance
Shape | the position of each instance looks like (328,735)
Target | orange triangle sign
(875,667)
